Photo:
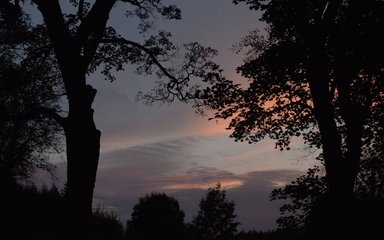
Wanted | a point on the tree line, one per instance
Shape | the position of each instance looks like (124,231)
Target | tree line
(317,74)
(39,214)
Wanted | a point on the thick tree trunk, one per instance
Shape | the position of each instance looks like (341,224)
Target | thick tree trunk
(74,53)
(338,203)
(318,76)
(353,113)
(83,146)
(82,156)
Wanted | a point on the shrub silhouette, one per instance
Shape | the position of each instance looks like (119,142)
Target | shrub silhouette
(107,224)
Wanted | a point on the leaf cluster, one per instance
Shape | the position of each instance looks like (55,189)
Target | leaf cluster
(304,195)
(29,81)
(277,101)
(144,9)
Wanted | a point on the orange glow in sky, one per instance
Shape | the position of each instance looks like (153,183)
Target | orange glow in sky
(225,183)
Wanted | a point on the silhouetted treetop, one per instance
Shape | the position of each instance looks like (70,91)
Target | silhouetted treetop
(278,102)
(216,218)
(156,216)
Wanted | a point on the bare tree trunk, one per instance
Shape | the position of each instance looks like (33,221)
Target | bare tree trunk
(83,146)
(74,53)
(318,75)
(338,202)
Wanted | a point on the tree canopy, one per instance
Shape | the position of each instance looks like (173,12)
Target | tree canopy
(28,85)
(216,218)
(278,102)
(156,216)
(316,74)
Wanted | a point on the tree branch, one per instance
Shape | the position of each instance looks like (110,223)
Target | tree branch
(52,114)
(174,83)
(57,29)
(49,112)
(92,28)
(147,51)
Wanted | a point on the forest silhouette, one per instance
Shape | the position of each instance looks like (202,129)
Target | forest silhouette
(316,74)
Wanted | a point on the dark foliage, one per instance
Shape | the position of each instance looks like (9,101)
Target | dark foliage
(302,194)
(216,218)
(308,202)
(31,213)
(40,213)
(317,74)
(270,235)
(107,224)
(278,102)
(28,84)
(156,216)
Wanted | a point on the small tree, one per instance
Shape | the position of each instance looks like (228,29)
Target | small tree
(216,218)
(156,216)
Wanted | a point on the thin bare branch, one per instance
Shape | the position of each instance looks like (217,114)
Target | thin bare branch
(147,51)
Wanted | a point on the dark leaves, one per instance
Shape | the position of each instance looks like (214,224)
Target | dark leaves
(171,12)
(29,81)
(302,195)
(146,10)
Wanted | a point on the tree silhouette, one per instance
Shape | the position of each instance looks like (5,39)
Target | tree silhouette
(307,196)
(317,74)
(156,216)
(216,218)
(80,42)
(26,85)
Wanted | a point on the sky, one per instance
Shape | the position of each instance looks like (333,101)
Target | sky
(168,148)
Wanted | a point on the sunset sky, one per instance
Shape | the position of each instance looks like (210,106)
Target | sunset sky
(168,148)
